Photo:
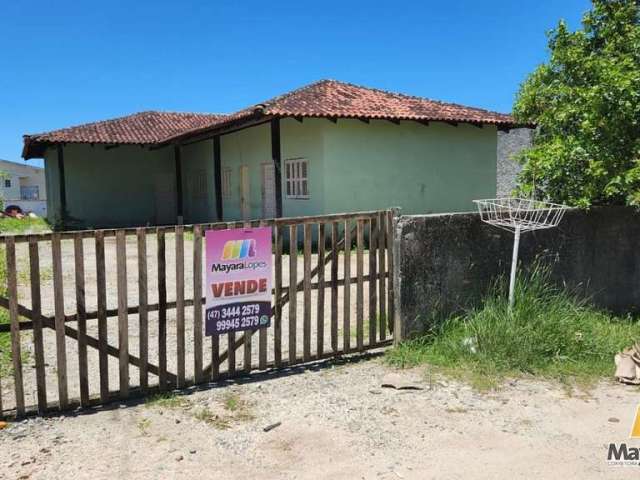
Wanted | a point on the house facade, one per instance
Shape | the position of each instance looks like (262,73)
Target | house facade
(24,186)
(326,148)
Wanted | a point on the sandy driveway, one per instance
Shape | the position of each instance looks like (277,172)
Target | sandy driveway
(336,422)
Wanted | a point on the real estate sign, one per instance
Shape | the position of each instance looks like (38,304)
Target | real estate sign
(238,280)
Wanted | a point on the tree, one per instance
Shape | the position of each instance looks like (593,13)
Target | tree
(586,104)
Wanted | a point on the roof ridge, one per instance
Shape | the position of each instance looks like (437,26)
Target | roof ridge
(415,97)
(290,93)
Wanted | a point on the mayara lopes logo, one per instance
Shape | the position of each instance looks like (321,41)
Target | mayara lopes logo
(622,453)
(239,249)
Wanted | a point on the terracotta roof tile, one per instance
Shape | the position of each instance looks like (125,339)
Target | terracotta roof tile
(326,98)
(334,99)
(146,128)
(330,98)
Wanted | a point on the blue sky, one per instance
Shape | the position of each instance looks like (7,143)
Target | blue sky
(66,62)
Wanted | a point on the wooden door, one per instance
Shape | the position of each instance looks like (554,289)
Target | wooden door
(268,190)
(245,201)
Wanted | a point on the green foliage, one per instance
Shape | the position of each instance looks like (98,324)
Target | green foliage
(10,225)
(586,104)
(550,333)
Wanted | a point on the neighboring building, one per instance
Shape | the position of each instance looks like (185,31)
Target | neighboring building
(509,145)
(23,185)
(324,148)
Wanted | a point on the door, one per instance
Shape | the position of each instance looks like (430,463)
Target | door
(268,190)
(245,208)
(165,198)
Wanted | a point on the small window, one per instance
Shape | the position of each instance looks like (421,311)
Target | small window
(7,183)
(226,182)
(199,184)
(297,178)
(30,193)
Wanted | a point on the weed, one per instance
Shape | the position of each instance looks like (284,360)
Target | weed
(143,425)
(168,400)
(550,333)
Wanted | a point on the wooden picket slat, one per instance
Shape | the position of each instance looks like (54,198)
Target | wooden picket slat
(382,265)
(306,327)
(16,352)
(321,287)
(215,357)
(390,267)
(81,315)
(231,353)
(58,302)
(293,280)
(359,284)
(143,315)
(197,305)
(346,294)
(247,335)
(162,310)
(377,225)
(38,340)
(101,285)
(277,318)
(262,337)
(180,335)
(334,286)
(123,317)
(373,287)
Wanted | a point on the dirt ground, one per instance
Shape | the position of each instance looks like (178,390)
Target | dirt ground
(338,422)
(68,273)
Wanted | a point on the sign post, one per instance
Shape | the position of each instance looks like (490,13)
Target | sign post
(238,280)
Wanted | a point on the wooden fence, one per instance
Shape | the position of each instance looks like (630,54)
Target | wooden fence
(96,276)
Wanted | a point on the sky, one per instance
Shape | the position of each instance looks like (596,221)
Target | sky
(65,62)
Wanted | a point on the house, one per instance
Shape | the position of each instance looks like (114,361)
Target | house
(23,185)
(324,148)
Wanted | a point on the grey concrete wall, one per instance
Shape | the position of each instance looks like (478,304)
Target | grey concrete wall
(447,262)
(509,144)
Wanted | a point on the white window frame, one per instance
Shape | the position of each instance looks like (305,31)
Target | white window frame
(226,182)
(295,179)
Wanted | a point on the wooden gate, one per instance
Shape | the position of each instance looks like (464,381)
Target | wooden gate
(85,307)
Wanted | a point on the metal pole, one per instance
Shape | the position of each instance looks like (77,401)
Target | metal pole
(514,264)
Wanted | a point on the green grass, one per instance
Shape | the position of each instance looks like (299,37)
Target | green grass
(550,333)
(5,338)
(167,401)
(10,225)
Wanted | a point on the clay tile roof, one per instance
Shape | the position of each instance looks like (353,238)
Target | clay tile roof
(326,98)
(334,99)
(144,128)
(330,98)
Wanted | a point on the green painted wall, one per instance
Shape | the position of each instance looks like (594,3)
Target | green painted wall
(198,183)
(52,180)
(423,169)
(250,147)
(305,140)
(116,187)
(352,166)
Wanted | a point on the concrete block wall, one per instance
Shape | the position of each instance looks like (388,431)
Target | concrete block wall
(445,263)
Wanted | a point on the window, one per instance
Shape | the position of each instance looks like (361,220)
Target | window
(30,192)
(199,184)
(296,175)
(7,183)
(226,182)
